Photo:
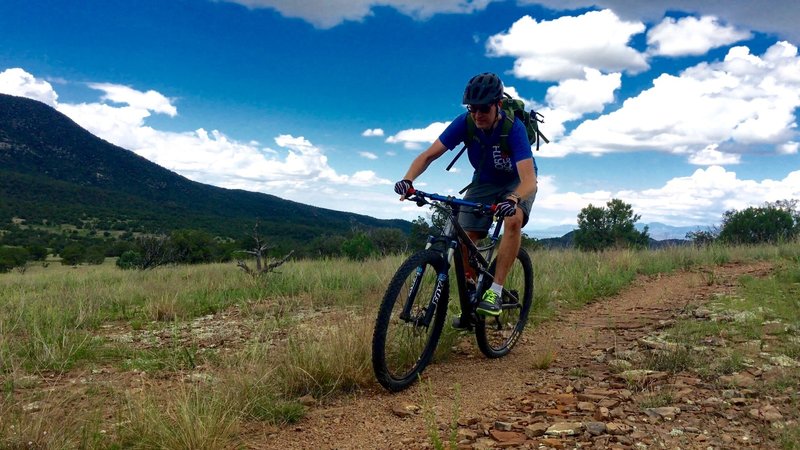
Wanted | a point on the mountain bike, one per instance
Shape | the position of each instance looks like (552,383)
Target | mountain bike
(413,311)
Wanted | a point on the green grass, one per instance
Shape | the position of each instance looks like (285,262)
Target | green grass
(308,331)
(762,311)
(657,399)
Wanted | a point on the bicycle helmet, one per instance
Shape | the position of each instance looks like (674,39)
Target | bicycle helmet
(483,89)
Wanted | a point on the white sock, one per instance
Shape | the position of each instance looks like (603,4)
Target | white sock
(497,288)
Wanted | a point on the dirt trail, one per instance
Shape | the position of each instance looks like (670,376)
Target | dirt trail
(578,389)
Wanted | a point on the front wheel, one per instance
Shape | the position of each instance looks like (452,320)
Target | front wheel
(410,320)
(497,335)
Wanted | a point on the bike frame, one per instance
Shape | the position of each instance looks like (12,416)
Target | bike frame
(453,236)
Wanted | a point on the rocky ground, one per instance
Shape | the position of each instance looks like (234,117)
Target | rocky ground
(575,382)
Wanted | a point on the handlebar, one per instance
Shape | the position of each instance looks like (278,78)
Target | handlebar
(420,197)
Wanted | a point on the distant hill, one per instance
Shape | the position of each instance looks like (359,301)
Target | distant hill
(566,241)
(52,169)
(656,230)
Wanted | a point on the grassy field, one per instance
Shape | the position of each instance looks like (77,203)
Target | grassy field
(87,353)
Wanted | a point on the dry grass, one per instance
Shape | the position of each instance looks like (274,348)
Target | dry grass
(51,320)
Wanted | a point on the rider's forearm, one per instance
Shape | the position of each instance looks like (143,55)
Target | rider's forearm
(527,187)
(421,162)
(418,166)
(527,179)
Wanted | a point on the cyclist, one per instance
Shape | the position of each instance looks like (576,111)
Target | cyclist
(504,174)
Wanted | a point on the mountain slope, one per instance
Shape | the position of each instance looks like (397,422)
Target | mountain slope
(51,168)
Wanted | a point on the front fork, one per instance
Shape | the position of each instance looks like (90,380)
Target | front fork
(426,315)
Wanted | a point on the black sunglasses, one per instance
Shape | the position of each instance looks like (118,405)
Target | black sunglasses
(479,108)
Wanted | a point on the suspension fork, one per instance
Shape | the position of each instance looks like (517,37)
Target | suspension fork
(442,279)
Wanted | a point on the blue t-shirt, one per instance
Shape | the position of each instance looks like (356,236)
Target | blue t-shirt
(498,167)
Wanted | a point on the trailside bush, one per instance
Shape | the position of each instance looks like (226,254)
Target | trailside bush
(769,224)
(11,257)
(602,228)
(129,260)
(359,247)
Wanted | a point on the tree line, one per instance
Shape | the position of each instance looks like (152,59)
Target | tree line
(599,228)
(613,226)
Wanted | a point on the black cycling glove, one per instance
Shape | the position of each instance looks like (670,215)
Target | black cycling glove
(506,208)
(402,187)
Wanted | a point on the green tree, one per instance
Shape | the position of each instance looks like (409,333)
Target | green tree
(702,238)
(326,245)
(358,247)
(600,228)
(389,240)
(129,260)
(11,257)
(73,254)
(192,246)
(95,254)
(530,243)
(771,223)
(37,252)
(420,230)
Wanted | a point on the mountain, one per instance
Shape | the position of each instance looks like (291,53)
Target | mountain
(53,170)
(663,232)
(657,231)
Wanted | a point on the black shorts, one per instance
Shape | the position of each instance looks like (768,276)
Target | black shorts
(487,193)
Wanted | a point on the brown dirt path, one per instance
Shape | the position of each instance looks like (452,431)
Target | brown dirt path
(578,387)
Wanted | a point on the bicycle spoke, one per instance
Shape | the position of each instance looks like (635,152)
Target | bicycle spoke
(408,326)
(500,334)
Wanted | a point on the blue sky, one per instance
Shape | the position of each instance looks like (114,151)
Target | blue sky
(682,110)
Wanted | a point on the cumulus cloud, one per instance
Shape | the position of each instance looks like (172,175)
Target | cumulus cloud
(329,13)
(580,96)
(373,132)
(700,198)
(415,138)
(744,100)
(368,155)
(551,50)
(789,148)
(780,16)
(22,84)
(692,36)
(710,156)
(150,100)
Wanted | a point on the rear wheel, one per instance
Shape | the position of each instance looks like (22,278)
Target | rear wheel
(410,320)
(497,335)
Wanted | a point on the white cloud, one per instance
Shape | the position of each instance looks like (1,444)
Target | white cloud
(776,16)
(22,84)
(710,156)
(373,132)
(553,50)
(368,155)
(414,138)
(329,13)
(698,199)
(150,100)
(789,148)
(741,101)
(706,194)
(581,96)
(691,36)
(296,169)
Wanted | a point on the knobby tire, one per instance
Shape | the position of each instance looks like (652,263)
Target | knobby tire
(397,343)
(496,343)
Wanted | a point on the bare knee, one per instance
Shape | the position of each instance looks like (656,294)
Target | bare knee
(514,224)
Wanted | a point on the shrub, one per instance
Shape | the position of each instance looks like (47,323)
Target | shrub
(129,260)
